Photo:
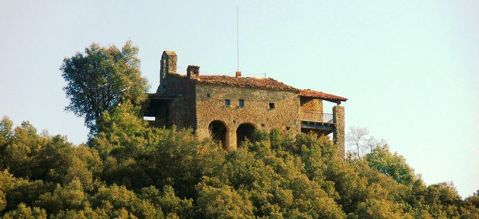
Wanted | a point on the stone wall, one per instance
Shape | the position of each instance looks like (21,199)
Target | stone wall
(181,110)
(311,109)
(338,134)
(210,106)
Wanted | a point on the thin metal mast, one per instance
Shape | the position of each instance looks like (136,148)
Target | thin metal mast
(237,39)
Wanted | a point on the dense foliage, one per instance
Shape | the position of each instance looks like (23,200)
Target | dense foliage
(130,170)
(101,78)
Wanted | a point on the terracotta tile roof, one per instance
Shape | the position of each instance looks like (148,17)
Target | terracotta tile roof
(321,95)
(263,83)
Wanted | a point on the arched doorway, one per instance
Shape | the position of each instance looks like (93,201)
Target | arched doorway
(243,132)
(219,132)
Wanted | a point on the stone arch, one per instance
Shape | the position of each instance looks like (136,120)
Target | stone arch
(219,132)
(243,132)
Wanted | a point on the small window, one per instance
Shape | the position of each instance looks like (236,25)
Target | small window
(208,95)
(241,103)
(271,106)
(149,118)
(227,102)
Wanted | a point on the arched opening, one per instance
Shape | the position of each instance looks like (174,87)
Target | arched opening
(243,132)
(219,132)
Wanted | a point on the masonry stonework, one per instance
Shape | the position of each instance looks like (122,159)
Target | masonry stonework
(255,110)
(338,135)
(228,109)
(311,109)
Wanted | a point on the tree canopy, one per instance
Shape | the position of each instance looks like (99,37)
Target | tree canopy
(101,78)
(131,170)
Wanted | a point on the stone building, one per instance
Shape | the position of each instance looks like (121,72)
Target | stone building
(229,109)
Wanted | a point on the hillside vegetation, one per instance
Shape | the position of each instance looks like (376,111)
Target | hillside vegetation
(131,170)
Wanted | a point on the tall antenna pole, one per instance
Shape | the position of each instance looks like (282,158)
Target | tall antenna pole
(237,39)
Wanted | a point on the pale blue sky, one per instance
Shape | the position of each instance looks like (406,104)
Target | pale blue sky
(409,68)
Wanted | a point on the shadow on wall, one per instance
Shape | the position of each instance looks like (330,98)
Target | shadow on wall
(243,132)
(219,132)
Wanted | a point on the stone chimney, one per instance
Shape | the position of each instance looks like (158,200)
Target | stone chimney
(193,71)
(168,65)
(238,74)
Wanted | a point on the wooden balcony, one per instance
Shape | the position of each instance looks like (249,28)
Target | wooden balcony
(317,122)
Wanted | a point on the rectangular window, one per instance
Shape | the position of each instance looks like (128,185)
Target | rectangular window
(241,103)
(227,102)
(271,106)
(149,118)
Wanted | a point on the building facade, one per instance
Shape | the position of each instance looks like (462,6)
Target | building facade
(229,109)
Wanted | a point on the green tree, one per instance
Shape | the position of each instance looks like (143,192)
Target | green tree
(170,204)
(390,164)
(100,79)
(131,170)
(25,212)
(71,196)
(473,199)
(443,200)
(222,202)
(6,130)
(118,201)
(18,153)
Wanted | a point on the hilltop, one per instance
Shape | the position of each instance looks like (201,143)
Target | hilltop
(132,170)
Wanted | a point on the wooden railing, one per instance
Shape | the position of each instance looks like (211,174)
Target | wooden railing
(317,117)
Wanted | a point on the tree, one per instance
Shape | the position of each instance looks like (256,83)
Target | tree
(70,196)
(24,211)
(131,170)
(359,139)
(391,164)
(100,79)
(223,202)
(6,130)
(473,199)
